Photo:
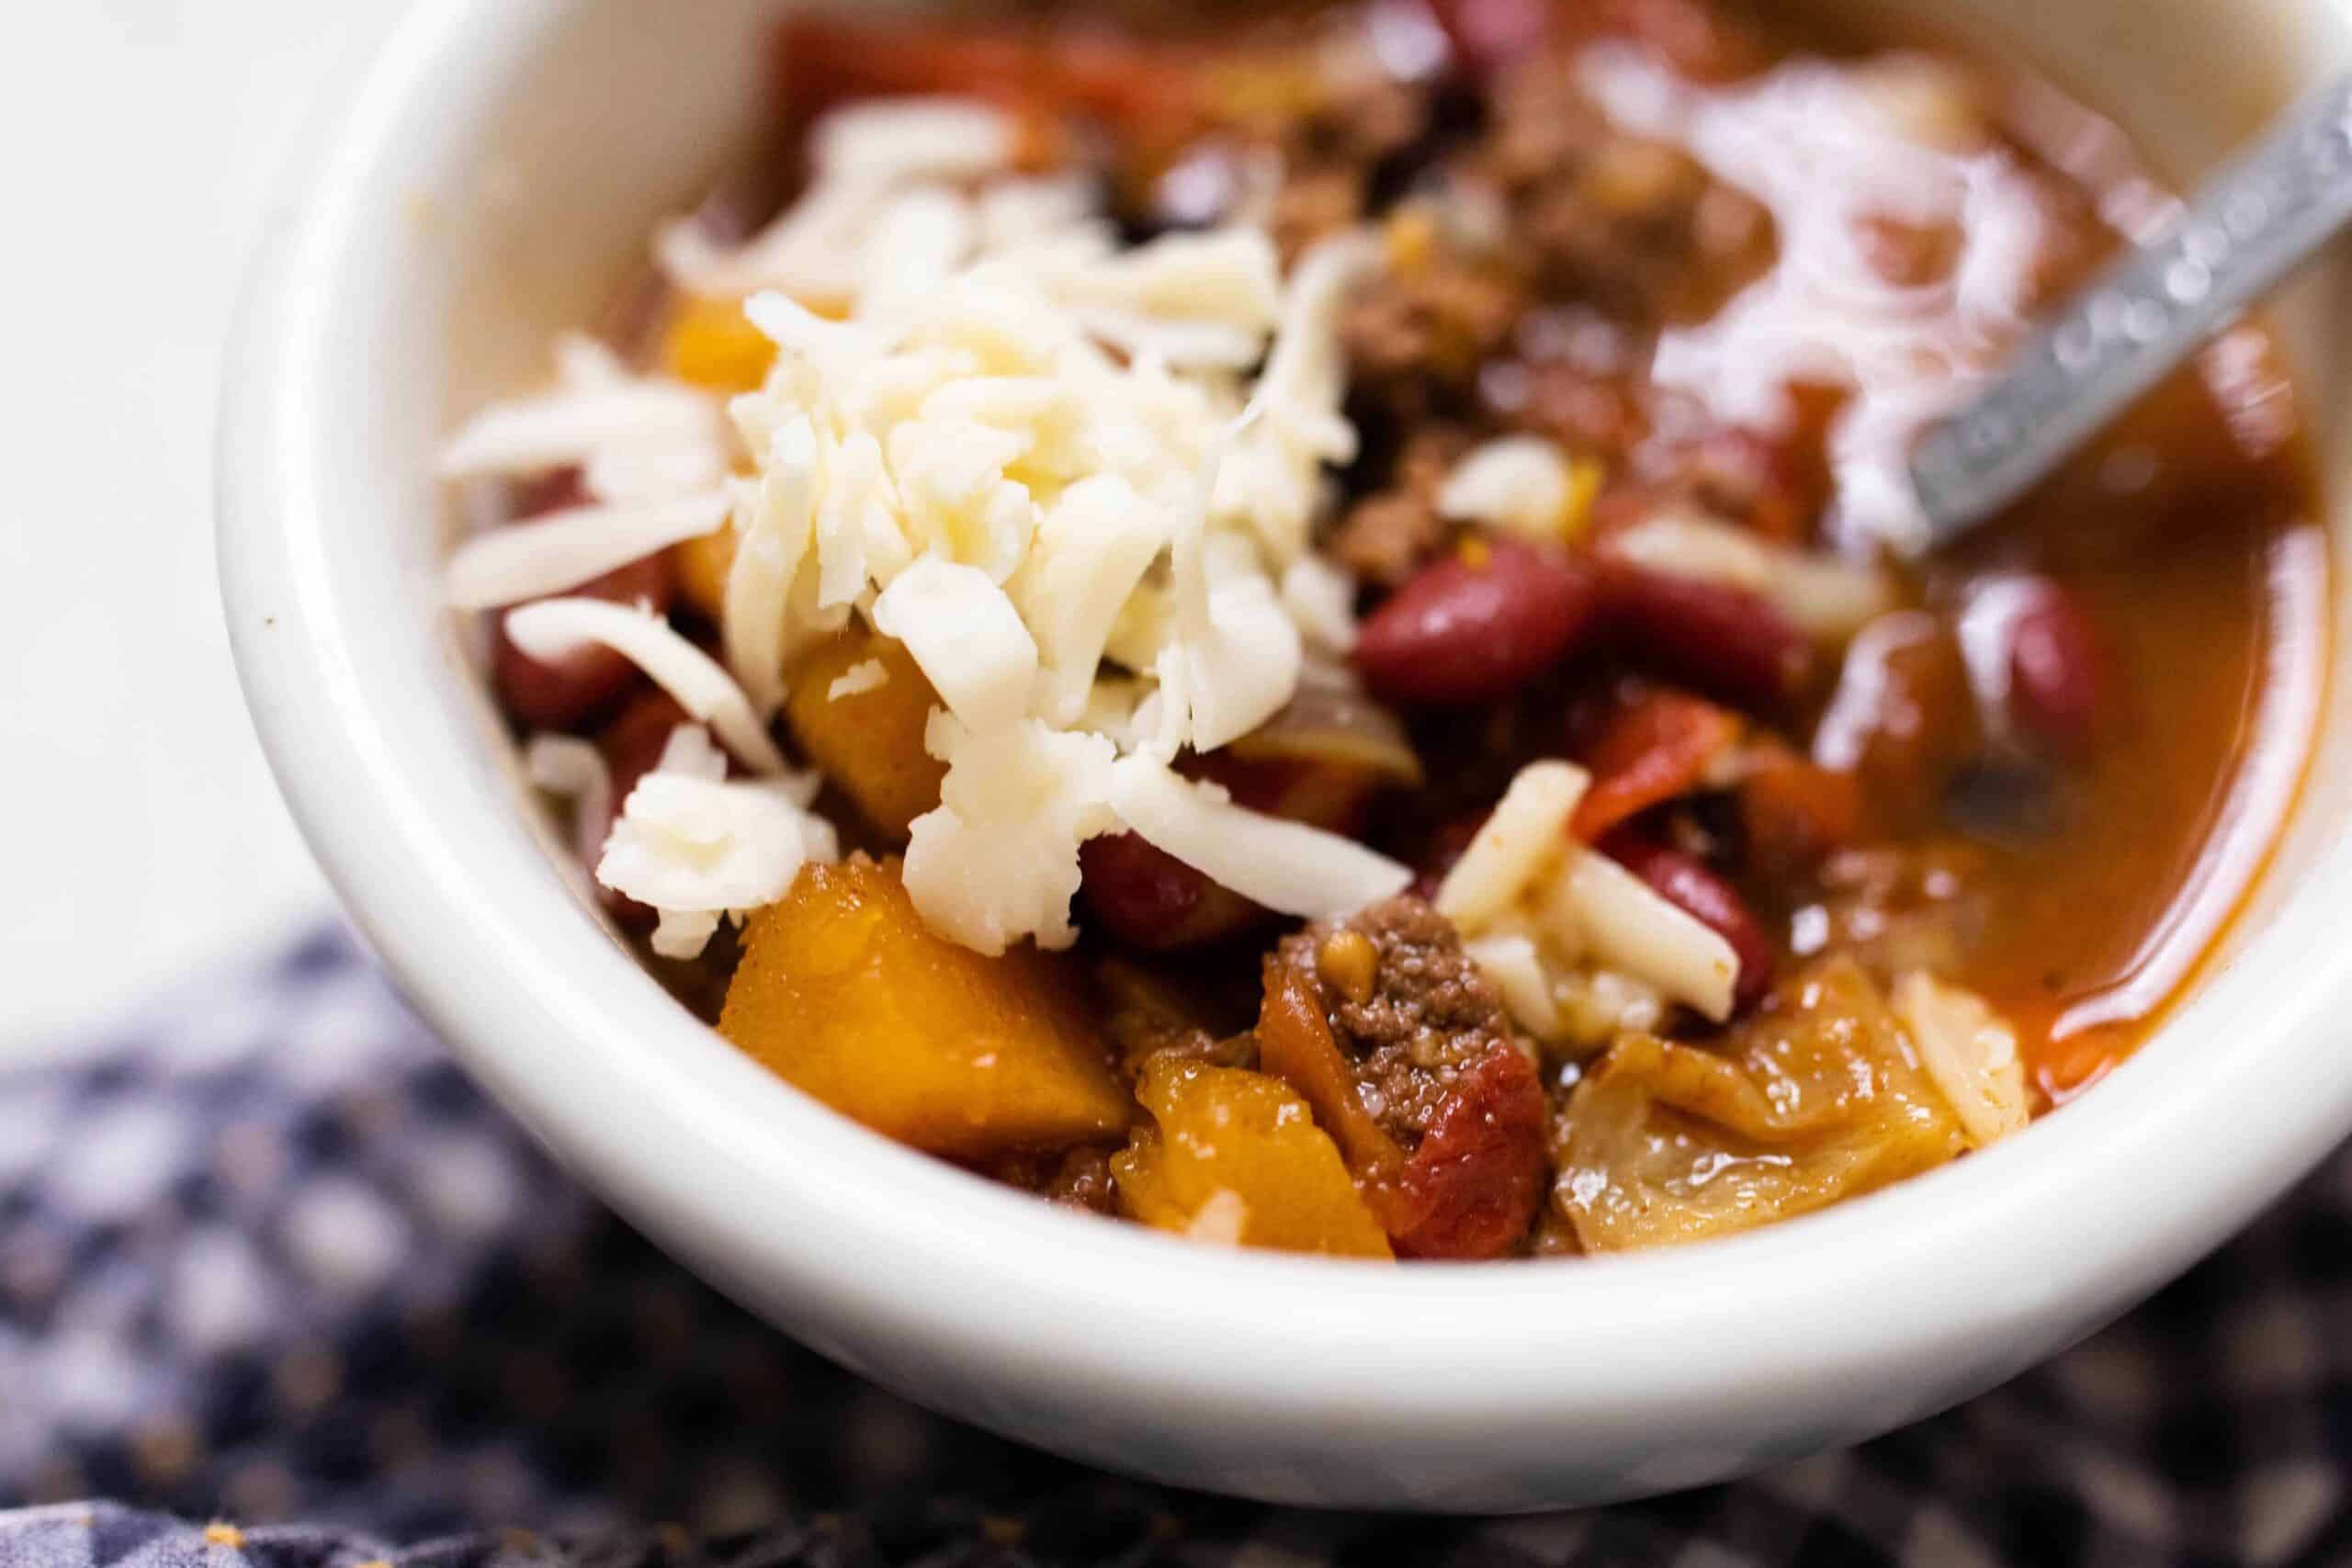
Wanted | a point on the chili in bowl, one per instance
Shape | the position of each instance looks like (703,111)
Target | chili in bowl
(1288,633)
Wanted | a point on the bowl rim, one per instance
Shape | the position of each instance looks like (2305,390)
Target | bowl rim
(787,1203)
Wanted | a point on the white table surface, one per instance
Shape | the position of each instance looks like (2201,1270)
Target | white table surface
(141,838)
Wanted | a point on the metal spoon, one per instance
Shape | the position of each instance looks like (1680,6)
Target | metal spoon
(2246,228)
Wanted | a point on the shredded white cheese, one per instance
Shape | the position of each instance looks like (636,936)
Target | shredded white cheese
(1626,925)
(775,516)
(595,410)
(997,859)
(696,848)
(573,769)
(866,675)
(1093,546)
(1574,941)
(1287,867)
(563,549)
(652,455)
(966,636)
(553,629)
(1526,835)
(1200,302)
(1321,598)
(861,156)
(1234,659)
(1595,1005)
(1808,140)
(1272,482)
(1034,456)
(1515,967)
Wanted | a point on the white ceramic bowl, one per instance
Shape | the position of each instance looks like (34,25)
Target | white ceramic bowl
(490,179)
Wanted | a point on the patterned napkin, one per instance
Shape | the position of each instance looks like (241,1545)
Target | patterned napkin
(268,1256)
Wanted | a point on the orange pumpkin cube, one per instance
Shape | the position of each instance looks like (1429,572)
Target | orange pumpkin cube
(869,742)
(844,993)
(712,344)
(1236,1156)
(702,564)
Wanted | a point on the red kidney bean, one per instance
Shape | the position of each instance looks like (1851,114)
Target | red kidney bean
(1487,35)
(569,693)
(1445,847)
(1683,882)
(1654,746)
(552,492)
(1472,628)
(1722,639)
(1149,899)
(630,745)
(1472,1186)
(2058,676)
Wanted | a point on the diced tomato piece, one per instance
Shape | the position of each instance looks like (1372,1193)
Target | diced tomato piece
(829,59)
(1656,748)
(1472,1186)
(1795,813)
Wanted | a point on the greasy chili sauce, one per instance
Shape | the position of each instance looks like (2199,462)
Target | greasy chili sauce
(2189,534)
(2192,534)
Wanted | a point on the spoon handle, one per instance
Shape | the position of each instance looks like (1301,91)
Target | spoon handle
(2244,231)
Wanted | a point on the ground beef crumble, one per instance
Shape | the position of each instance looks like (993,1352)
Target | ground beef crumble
(1385,536)
(1416,339)
(1635,225)
(1425,1013)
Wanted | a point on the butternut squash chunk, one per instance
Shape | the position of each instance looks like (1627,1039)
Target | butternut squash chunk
(703,563)
(869,742)
(1234,1155)
(712,344)
(844,993)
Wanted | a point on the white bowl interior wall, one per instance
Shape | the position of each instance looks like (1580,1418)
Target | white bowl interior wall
(490,186)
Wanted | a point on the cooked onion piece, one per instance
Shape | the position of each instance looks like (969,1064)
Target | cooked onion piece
(1826,596)
(1814,1099)
(1526,484)
(1969,1052)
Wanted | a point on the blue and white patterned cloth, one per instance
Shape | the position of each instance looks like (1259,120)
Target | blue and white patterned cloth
(269,1257)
